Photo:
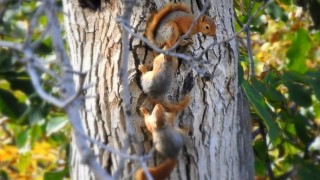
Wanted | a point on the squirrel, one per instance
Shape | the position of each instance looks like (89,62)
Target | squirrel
(167,139)
(157,82)
(165,27)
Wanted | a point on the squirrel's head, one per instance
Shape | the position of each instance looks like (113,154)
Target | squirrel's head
(159,113)
(207,25)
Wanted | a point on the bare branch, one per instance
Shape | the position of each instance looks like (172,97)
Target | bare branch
(34,22)
(248,37)
(130,131)
(36,84)
(128,6)
(11,45)
(39,65)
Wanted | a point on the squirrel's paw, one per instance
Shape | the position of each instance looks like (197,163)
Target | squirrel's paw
(144,111)
(186,42)
(142,68)
(185,130)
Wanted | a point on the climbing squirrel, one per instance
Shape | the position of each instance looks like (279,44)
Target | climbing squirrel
(165,27)
(167,139)
(157,82)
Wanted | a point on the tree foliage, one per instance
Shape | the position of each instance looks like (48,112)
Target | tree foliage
(34,135)
(284,93)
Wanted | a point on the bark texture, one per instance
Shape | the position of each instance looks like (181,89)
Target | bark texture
(219,140)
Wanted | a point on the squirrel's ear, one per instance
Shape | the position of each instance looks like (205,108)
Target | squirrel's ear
(202,18)
(160,116)
(214,17)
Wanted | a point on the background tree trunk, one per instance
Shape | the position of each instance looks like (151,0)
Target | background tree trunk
(219,141)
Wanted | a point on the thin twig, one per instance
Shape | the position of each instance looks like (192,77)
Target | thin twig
(130,130)
(34,22)
(67,90)
(248,38)
(36,84)
(11,45)
(128,6)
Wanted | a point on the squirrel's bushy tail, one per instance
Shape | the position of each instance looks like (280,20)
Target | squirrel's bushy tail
(174,107)
(155,19)
(160,172)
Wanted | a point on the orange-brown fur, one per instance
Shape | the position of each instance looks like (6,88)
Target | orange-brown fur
(173,107)
(179,25)
(168,141)
(159,172)
(155,19)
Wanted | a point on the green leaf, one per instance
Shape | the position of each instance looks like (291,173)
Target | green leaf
(299,94)
(275,96)
(286,2)
(259,167)
(35,115)
(289,130)
(58,139)
(4,175)
(55,124)
(276,12)
(308,171)
(24,161)
(316,107)
(260,87)
(10,105)
(290,76)
(19,81)
(261,109)
(316,87)
(35,133)
(272,79)
(55,175)
(261,151)
(5,60)
(300,124)
(240,74)
(22,138)
(298,52)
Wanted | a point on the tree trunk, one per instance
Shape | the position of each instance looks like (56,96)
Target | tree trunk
(219,139)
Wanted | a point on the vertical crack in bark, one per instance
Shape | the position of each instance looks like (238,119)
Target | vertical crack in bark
(95,74)
(84,18)
(188,166)
(109,163)
(188,83)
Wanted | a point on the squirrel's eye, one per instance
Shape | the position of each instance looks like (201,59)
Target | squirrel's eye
(207,27)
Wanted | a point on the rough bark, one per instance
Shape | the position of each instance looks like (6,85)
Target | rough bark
(219,141)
